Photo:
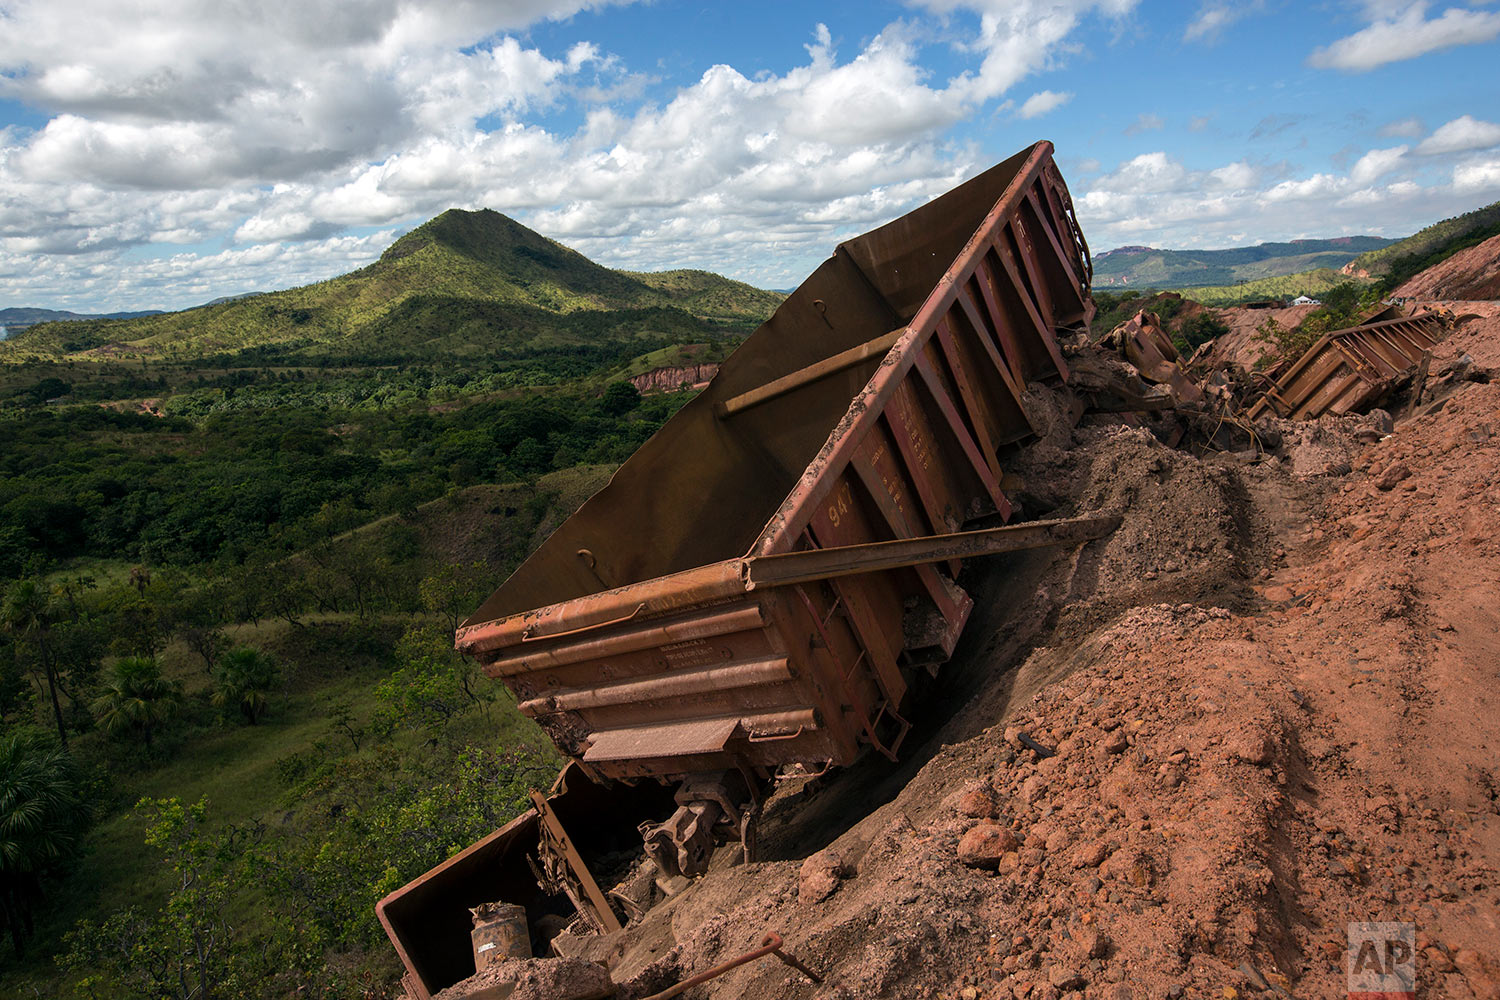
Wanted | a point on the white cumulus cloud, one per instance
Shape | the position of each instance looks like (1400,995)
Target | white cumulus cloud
(1042,102)
(1483,175)
(1156,199)
(1214,17)
(273,127)
(1404,31)
(1376,163)
(1459,136)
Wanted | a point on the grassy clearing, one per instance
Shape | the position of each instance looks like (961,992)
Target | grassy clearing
(332,660)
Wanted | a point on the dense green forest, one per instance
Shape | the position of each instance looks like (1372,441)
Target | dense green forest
(234,548)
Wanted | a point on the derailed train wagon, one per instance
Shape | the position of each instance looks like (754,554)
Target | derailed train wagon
(757,585)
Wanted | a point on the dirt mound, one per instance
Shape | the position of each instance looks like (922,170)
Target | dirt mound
(1173,763)
(534,979)
(1478,335)
(1242,346)
(1469,274)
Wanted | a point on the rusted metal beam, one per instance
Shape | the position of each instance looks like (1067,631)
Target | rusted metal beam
(850,560)
(623,642)
(988,475)
(877,485)
(705,584)
(969,394)
(1014,381)
(1419,383)
(771,944)
(812,373)
(674,685)
(592,904)
(984,277)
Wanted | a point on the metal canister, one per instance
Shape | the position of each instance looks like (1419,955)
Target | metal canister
(500,932)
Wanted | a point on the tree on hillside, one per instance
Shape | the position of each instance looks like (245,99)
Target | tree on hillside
(136,698)
(454,591)
(29,614)
(187,949)
(431,686)
(198,616)
(42,818)
(141,625)
(620,398)
(286,594)
(242,681)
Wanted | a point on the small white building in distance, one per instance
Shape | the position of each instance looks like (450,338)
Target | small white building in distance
(1303,300)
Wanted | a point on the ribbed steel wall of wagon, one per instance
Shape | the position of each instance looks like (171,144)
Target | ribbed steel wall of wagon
(632,636)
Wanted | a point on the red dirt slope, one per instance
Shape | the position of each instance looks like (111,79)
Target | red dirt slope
(1469,274)
(1275,710)
(1242,346)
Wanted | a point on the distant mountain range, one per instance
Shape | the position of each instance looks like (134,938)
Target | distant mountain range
(14,320)
(467,282)
(1146,267)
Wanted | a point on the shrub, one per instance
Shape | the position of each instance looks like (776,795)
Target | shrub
(242,681)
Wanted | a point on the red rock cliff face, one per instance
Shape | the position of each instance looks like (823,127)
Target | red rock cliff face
(675,377)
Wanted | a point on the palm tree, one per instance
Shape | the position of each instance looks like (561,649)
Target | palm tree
(28,613)
(42,816)
(243,679)
(136,697)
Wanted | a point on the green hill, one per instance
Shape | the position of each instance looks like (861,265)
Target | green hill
(464,282)
(1458,232)
(1288,286)
(1145,267)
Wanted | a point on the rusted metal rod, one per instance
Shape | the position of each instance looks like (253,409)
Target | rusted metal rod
(742,674)
(769,945)
(812,373)
(848,560)
(1419,383)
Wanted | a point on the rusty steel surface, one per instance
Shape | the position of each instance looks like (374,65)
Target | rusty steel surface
(757,585)
(1147,346)
(1348,370)
(429,919)
(876,405)
(562,868)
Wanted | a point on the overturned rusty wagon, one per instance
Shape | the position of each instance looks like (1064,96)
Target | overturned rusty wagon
(758,585)
(1353,369)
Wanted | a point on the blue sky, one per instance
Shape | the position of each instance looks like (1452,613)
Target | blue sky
(162,154)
